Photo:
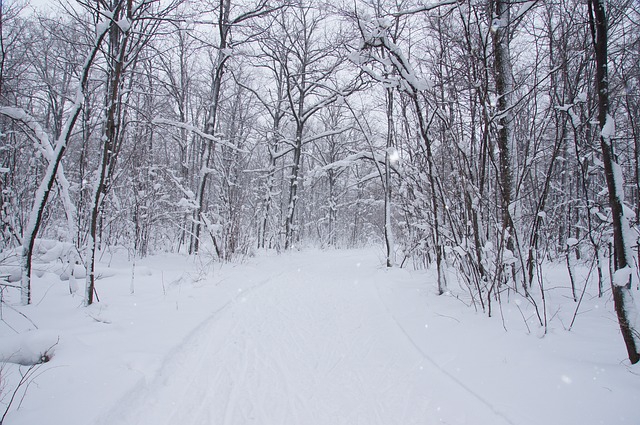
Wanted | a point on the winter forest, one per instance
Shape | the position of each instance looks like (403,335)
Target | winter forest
(483,141)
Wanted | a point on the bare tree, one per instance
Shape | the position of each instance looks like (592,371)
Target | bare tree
(121,54)
(621,284)
(225,23)
(56,155)
(309,66)
(375,35)
(500,28)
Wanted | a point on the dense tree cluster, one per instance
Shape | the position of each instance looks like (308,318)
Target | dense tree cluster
(484,136)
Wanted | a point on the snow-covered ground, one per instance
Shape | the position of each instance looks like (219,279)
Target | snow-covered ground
(311,337)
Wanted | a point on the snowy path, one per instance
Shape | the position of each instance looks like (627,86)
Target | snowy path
(308,345)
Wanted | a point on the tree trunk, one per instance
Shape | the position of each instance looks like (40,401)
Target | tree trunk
(271,173)
(431,174)
(44,190)
(118,41)
(224,28)
(504,90)
(293,185)
(388,231)
(623,257)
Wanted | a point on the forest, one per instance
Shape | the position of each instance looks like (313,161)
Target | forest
(487,137)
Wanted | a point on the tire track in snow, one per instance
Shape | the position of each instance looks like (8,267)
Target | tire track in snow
(309,346)
(443,371)
(130,405)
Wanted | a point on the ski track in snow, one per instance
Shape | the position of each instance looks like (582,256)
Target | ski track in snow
(310,345)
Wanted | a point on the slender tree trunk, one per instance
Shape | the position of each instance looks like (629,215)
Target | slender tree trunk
(297,150)
(224,28)
(388,231)
(44,189)
(293,184)
(431,175)
(333,207)
(623,256)
(271,173)
(504,91)
(268,197)
(118,43)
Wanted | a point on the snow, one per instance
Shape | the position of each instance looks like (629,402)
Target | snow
(42,137)
(124,24)
(311,337)
(187,204)
(102,27)
(375,34)
(609,129)
(196,130)
(28,348)
(508,257)
(424,8)
(628,234)
(394,155)
(356,58)
(622,276)
(524,8)
(496,24)
(572,242)
(385,22)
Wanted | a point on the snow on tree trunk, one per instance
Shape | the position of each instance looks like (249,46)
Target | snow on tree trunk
(225,24)
(117,50)
(224,28)
(270,183)
(623,255)
(294,180)
(504,89)
(388,231)
(376,36)
(55,158)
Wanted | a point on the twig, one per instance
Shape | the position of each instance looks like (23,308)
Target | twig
(23,315)
(448,317)
(25,378)
(584,289)
(523,318)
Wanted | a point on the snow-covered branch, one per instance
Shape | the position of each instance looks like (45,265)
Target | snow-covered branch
(20,115)
(196,130)
(351,161)
(324,134)
(424,8)
(375,35)
(42,194)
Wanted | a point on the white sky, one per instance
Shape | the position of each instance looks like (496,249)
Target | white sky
(43,4)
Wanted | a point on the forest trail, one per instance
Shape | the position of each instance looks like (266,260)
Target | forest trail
(311,343)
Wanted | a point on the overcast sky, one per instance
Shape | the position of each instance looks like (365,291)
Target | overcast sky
(43,4)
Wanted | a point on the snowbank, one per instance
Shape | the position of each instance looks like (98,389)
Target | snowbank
(28,348)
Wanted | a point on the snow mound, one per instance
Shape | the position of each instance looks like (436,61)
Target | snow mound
(28,348)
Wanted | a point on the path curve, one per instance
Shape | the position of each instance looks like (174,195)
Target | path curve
(314,344)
